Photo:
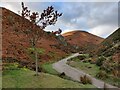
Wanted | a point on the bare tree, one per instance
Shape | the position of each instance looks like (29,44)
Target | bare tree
(48,17)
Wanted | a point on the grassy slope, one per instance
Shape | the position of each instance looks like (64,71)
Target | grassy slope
(47,67)
(24,78)
(0,80)
(86,67)
(93,71)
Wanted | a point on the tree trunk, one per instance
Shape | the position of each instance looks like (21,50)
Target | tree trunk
(36,60)
(36,57)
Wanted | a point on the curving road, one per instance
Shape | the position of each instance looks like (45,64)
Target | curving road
(75,74)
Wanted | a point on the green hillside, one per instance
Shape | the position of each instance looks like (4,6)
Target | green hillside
(111,45)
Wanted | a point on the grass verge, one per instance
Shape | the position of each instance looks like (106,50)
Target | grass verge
(25,78)
(47,67)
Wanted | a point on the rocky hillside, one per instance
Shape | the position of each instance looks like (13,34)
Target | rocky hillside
(82,39)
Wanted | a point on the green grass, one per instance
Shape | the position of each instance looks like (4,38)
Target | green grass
(0,80)
(91,69)
(47,67)
(25,78)
(113,81)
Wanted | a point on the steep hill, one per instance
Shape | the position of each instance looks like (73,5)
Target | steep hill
(107,55)
(110,46)
(82,39)
(16,46)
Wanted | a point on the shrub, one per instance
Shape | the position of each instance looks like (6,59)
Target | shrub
(81,57)
(107,66)
(115,73)
(85,80)
(88,60)
(74,59)
(11,66)
(62,74)
(91,55)
(109,52)
(100,60)
(48,32)
(102,75)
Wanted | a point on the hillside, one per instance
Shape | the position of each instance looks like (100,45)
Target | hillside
(82,39)
(107,55)
(16,46)
(103,61)
(110,46)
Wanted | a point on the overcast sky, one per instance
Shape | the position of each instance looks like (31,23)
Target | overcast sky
(99,18)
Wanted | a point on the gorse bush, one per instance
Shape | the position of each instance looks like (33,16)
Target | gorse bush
(85,80)
(102,75)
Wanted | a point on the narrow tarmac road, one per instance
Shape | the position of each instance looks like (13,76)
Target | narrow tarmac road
(75,74)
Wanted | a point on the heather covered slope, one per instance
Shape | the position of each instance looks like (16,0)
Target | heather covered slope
(15,44)
(82,39)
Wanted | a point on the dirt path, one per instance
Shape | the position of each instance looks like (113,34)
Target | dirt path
(75,74)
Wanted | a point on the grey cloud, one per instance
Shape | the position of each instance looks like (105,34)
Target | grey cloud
(104,13)
(93,13)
